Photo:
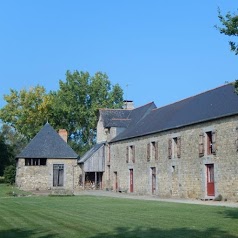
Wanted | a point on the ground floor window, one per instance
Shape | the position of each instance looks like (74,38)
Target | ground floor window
(58,175)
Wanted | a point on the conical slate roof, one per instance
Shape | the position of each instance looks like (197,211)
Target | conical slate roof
(48,144)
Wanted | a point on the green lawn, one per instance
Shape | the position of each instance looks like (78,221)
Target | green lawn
(96,217)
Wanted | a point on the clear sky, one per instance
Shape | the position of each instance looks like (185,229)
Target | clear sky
(163,50)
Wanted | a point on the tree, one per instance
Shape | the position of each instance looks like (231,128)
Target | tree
(230,28)
(3,155)
(77,102)
(27,110)
(10,174)
(73,107)
(11,143)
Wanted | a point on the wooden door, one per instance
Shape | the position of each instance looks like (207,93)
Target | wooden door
(153,171)
(210,180)
(116,181)
(131,181)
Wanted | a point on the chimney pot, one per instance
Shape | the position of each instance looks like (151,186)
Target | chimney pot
(128,104)
(64,134)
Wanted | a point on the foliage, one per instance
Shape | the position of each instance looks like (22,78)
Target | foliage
(229,27)
(76,105)
(14,140)
(10,174)
(4,155)
(87,216)
(27,110)
(73,107)
(11,143)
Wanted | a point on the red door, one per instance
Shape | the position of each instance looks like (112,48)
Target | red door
(153,170)
(210,180)
(116,183)
(131,181)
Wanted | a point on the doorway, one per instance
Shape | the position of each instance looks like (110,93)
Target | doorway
(210,180)
(116,181)
(131,181)
(153,179)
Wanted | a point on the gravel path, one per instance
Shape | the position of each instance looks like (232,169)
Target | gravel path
(154,198)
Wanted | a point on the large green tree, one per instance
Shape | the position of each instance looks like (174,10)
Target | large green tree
(229,27)
(73,107)
(27,110)
(76,105)
(11,143)
(4,155)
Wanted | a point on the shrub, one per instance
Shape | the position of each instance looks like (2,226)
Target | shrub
(10,174)
(2,180)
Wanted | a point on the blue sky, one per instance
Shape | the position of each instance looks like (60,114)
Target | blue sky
(163,50)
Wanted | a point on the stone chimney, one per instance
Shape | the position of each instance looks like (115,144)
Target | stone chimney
(128,104)
(64,134)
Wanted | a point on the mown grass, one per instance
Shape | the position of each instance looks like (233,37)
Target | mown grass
(7,190)
(96,217)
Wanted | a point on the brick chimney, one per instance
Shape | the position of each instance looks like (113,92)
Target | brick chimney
(128,104)
(64,134)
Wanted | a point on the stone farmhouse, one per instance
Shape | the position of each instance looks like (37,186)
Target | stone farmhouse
(188,149)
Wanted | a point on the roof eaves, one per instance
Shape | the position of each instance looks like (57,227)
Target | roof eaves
(171,128)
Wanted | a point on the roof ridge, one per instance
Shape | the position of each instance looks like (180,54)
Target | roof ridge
(184,99)
(122,109)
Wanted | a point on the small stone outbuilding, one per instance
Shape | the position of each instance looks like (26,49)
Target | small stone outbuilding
(47,162)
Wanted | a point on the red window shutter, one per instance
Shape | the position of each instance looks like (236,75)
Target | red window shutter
(201,144)
(170,148)
(127,154)
(156,150)
(178,147)
(214,145)
(148,152)
(133,154)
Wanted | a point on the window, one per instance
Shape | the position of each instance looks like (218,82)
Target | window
(148,152)
(108,172)
(174,147)
(35,162)
(130,154)
(207,143)
(58,175)
(152,151)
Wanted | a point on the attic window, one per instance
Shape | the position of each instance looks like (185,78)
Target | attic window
(35,162)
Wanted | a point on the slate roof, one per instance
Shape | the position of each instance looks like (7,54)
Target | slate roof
(125,117)
(48,144)
(118,115)
(89,153)
(217,103)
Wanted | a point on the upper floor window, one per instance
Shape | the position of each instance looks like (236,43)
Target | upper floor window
(35,162)
(152,151)
(174,147)
(130,154)
(207,143)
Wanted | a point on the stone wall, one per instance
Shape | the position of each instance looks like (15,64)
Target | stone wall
(41,177)
(184,176)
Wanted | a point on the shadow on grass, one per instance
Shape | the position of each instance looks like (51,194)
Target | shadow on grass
(15,233)
(155,233)
(231,214)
